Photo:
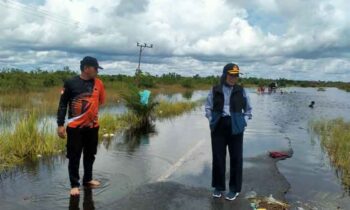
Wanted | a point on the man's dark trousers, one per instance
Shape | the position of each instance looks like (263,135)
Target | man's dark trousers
(81,140)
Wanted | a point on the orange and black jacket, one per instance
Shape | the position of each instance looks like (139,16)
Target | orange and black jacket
(83,97)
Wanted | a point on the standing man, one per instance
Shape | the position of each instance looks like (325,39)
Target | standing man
(226,108)
(83,94)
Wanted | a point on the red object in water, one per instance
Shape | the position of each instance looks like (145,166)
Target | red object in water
(276,154)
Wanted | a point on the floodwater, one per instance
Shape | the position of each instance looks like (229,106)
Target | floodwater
(180,151)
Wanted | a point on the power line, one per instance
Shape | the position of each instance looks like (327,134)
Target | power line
(30,11)
(37,9)
(42,12)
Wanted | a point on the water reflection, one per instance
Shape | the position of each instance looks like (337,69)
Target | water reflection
(31,168)
(8,118)
(88,202)
(186,96)
(131,139)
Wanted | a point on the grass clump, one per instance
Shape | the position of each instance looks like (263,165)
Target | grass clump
(27,140)
(110,124)
(335,139)
(169,109)
(30,138)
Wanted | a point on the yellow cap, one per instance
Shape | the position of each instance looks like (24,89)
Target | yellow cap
(234,70)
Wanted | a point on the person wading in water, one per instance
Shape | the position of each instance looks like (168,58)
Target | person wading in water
(83,94)
(226,108)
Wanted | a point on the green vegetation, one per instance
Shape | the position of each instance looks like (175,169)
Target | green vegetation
(12,80)
(33,95)
(40,89)
(19,80)
(334,136)
(30,139)
(144,112)
(110,124)
(344,86)
(168,109)
(187,83)
(27,140)
(187,94)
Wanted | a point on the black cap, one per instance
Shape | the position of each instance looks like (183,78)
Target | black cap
(90,61)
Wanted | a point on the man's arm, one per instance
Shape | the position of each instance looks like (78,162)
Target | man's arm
(209,105)
(62,107)
(102,97)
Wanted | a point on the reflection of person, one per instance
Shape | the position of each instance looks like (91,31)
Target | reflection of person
(226,108)
(83,94)
(88,203)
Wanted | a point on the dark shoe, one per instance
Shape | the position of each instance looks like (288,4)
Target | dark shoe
(231,196)
(217,193)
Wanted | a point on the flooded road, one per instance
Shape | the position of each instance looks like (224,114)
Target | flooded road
(179,152)
(312,178)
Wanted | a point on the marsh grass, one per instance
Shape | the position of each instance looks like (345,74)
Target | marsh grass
(344,86)
(45,101)
(28,137)
(334,137)
(110,124)
(169,109)
(28,141)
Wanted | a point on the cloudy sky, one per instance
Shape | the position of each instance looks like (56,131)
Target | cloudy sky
(294,39)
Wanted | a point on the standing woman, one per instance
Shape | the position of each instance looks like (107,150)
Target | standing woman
(226,108)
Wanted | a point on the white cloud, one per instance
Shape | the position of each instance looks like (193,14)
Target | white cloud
(295,39)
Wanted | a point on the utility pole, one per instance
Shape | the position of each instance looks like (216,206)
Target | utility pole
(142,46)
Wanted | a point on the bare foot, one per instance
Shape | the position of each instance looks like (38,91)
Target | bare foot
(93,184)
(75,191)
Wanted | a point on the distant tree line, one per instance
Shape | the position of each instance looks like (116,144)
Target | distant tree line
(17,79)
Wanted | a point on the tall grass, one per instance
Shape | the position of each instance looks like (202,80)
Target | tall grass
(335,139)
(344,86)
(110,124)
(114,123)
(46,101)
(169,109)
(27,140)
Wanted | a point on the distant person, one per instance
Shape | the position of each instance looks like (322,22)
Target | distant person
(226,107)
(272,87)
(312,104)
(83,94)
(261,90)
